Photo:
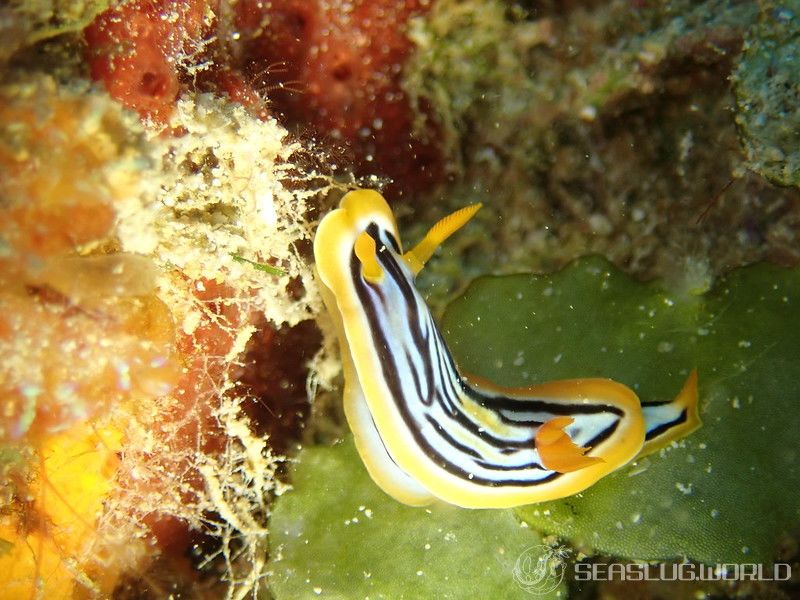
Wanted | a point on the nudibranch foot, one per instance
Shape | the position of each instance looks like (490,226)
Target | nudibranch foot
(380,465)
(383,470)
(424,429)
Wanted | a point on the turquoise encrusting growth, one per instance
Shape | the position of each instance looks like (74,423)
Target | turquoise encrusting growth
(767,85)
(730,490)
(425,429)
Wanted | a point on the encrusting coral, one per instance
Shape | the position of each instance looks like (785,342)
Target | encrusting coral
(767,94)
(82,336)
(336,69)
(223,194)
(607,128)
(67,295)
(330,69)
(130,294)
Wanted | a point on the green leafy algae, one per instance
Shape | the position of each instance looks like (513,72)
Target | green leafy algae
(724,494)
(337,535)
(729,490)
(259,266)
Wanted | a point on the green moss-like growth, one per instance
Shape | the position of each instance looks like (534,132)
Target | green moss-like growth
(768,93)
(30,21)
(336,535)
(469,68)
(599,127)
(725,493)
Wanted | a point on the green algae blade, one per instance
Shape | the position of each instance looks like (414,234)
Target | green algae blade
(337,535)
(259,266)
(728,491)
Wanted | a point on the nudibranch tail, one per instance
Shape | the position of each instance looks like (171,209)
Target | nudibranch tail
(436,236)
(669,421)
(427,431)
(557,451)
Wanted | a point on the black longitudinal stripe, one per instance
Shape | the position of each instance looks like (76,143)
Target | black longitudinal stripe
(530,405)
(427,398)
(653,403)
(432,394)
(419,337)
(445,363)
(448,364)
(603,435)
(598,439)
(447,369)
(495,467)
(440,387)
(499,403)
(413,320)
(664,427)
(380,437)
(450,439)
(447,393)
(392,240)
(390,375)
(487,436)
(382,347)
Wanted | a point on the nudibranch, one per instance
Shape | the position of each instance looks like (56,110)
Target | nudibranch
(424,429)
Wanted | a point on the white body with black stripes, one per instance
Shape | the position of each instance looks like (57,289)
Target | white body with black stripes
(426,431)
